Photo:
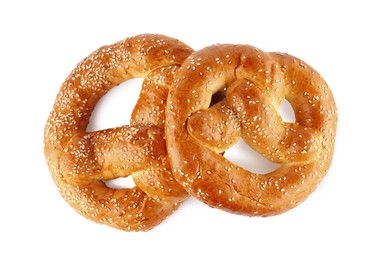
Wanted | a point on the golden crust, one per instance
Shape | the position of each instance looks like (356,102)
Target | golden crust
(215,96)
(80,161)
(256,83)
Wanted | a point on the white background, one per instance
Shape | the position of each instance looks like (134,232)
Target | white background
(346,41)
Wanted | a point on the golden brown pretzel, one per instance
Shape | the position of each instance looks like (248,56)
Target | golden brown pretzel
(255,83)
(79,161)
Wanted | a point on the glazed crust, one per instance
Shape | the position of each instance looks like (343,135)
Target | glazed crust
(80,161)
(255,83)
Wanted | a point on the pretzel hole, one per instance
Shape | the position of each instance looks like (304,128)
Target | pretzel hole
(244,156)
(286,111)
(114,108)
(218,96)
(120,183)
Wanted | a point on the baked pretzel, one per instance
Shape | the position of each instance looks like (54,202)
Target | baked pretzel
(80,161)
(252,84)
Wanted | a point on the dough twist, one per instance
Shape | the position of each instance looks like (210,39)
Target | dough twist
(80,161)
(254,84)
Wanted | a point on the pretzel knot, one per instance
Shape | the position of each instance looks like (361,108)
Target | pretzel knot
(80,161)
(251,84)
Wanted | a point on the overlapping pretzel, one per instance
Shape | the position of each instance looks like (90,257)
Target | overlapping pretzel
(254,83)
(79,161)
(216,96)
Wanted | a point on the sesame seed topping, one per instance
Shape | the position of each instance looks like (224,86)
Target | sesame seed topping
(80,161)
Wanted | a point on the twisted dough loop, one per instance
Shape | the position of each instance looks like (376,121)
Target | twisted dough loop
(80,161)
(255,83)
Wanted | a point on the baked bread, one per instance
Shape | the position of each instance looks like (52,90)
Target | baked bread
(254,84)
(80,161)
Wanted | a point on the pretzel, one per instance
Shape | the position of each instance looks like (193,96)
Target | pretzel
(252,84)
(81,161)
